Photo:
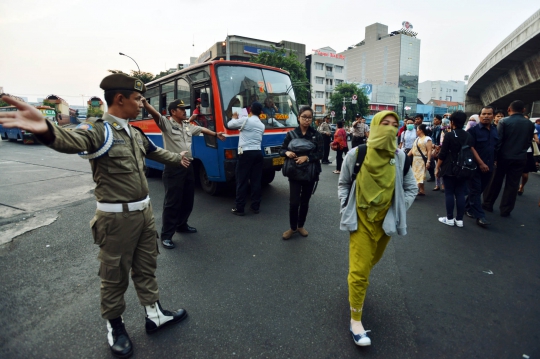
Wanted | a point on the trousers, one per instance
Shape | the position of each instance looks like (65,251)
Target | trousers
(339,157)
(326,148)
(249,168)
(300,193)
(179,185)
(510,170)
(477,184)
(128,242)
(366,248)
(357,141)
(455,190)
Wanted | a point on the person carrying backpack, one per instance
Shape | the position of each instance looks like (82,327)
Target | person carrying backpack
(376,188)
(455,165)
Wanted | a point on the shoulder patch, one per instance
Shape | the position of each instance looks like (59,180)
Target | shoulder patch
(85,126)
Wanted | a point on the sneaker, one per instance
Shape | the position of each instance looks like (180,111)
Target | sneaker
(469,214)
(361,340)
(287,234)
(302,231)
(449,222)
(237,212)
(459,223)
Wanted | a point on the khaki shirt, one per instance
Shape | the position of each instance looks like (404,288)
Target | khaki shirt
(119,174)
(178,137)
(360,130)
(324,128)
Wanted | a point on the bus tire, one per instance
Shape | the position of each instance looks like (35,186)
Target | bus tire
(4,136)
(210,187)
(268,176)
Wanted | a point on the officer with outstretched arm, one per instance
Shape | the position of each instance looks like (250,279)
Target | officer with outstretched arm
(123,226)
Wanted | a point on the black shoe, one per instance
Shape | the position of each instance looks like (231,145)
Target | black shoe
(168,243)
(469,214)
(157,317)
(256,211)
(119,342)
(431,180)
(237,212)
(485,207)
(186,229)
(482,222)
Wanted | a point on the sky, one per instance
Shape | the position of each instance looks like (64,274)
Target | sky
(65,47)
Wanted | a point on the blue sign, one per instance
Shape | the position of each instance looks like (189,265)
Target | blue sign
(252,50)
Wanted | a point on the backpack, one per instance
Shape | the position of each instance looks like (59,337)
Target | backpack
(362,150)
(464,165)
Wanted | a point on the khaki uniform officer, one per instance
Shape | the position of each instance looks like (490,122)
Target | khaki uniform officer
(123,226)
(179,182)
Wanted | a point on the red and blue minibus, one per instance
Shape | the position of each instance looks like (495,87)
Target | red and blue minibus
(224,87)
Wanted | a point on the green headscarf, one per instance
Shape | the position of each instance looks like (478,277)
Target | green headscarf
(375,182)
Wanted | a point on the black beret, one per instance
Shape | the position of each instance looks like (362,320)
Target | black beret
(176,104)
(122,82)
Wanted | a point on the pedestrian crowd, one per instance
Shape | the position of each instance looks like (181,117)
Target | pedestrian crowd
(379,179)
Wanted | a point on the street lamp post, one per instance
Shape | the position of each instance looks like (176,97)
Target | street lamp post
(132,59)
(403,98)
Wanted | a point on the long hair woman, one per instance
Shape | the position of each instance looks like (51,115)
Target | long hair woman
(374,206)
(341,138)
(300,191)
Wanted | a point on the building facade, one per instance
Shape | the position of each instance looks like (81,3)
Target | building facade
(389,64)
(453,91)
(325,70)
(241,48)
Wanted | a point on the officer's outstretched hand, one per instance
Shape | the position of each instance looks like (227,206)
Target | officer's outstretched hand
(26,118)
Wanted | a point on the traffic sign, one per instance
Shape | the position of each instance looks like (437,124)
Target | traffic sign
(344,108)
(332,114)
(353,102)
(354,97)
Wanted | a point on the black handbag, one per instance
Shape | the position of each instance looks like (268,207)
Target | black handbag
(306,171)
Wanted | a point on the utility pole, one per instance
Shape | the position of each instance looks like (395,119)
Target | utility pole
(352,100)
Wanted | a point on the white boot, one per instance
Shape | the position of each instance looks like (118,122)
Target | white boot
(157,317)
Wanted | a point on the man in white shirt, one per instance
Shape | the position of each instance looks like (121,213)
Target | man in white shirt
(249,165)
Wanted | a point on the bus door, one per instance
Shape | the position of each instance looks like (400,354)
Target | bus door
(205,147)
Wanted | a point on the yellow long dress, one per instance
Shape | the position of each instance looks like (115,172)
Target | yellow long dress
(418,166)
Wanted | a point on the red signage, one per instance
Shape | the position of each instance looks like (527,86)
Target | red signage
(329,54)
(382,107)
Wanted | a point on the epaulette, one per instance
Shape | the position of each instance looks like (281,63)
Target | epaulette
(152,146)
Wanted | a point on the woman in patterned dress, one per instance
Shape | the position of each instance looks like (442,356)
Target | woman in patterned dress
(419,166)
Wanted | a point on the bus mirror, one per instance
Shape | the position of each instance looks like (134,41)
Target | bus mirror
(204,100)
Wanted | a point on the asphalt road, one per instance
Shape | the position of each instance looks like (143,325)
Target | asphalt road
(250,294)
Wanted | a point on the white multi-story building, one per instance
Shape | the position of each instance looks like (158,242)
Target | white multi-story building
(453,91)
(326,70)
(388,64)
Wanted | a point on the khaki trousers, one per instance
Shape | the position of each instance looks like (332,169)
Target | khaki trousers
(366,248)
(127,241)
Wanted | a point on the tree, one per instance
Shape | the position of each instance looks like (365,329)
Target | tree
(94,111)
(145,77)
(347,91)
(288,62)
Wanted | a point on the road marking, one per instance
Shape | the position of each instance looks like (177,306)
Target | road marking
(487,272)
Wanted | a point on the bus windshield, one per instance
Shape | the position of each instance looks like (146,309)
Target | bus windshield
(240,86)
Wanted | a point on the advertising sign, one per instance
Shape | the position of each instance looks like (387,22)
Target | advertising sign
(368,90)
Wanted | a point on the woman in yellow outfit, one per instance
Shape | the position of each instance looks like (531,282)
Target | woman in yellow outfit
(373,208)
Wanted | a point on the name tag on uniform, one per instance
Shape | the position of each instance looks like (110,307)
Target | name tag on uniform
(119,141)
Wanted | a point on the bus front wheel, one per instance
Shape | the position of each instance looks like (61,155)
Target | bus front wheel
(268,176)
(210,187)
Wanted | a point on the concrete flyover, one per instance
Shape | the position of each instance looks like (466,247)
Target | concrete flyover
(510,72)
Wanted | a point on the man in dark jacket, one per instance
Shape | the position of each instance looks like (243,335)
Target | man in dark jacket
(485,139)
(515,136)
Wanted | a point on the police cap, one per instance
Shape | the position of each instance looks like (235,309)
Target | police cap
(122,82)
(176,104)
